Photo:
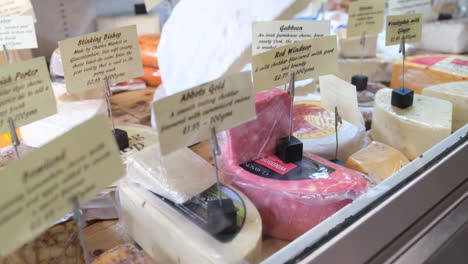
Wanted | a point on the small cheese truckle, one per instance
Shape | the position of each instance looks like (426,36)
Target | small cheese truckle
(377,160)
(457,94)
(414,129)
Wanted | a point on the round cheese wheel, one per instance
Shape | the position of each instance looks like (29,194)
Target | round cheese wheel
(292,198)
(315,127)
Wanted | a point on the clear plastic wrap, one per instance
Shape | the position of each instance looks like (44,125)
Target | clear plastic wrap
(178,176)
(171,233)
(377,160)
(293,197)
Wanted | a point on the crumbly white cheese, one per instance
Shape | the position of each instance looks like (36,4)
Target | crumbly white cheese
(204,39)
(412,130)
(457,93)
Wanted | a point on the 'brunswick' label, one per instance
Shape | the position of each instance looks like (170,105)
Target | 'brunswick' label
(270,35)
(89,60)
(186,118)
(308,59)
(36,190)
(26,94)
(365,17)
(407,26)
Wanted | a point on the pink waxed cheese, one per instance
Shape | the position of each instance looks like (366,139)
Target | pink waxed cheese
(257,138)
(289,208)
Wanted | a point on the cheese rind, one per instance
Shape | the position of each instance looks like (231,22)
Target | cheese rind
(412,130)
(457,94)
(377,160)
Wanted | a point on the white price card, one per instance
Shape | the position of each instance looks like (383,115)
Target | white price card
(268,35)
(36,190)
(307,59)
(17,32)
(89,60)
(186,118)
(25,93)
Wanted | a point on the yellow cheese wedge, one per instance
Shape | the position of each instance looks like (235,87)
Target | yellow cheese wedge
(457,93)
(412,130)
(377,160)
(424,71)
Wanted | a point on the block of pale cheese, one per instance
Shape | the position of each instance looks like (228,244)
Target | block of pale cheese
(376,69)
(351,47)
(202,40)
(447,36)
(315,127)
(176,233)
(412,130)
(377,160)
(457,93)
(139,138)
(178,176)
(423,71)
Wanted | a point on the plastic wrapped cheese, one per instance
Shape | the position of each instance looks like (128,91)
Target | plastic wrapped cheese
(457,94)
(424,71)
(175,233)
(315,127)
(294,197)
(412,130)
(377,160)
(178,176)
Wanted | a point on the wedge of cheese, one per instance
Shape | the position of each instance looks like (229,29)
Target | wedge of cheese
(457,93)
(178,176)
(169,232)
(424,71)
(447,36)
(377,160)
(351,47)
(377,69)
(412,130)
(202,40)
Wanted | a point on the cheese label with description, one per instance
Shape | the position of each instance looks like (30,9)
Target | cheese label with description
(268,35)
(18,32)
(89,60)
(336,92)
(150,4)
(16,8)
(308,59)
(37,189)
(405,7)
(187,117)
(25,93)
(365,17)
(407,26)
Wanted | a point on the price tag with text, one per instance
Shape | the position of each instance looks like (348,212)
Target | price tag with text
(17,32)
(407,26)
(186,118)
(404,7)
(365,17)
(25,93)
(37,189)
(307,59)
(16,8)
(89,60)
(270,35)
